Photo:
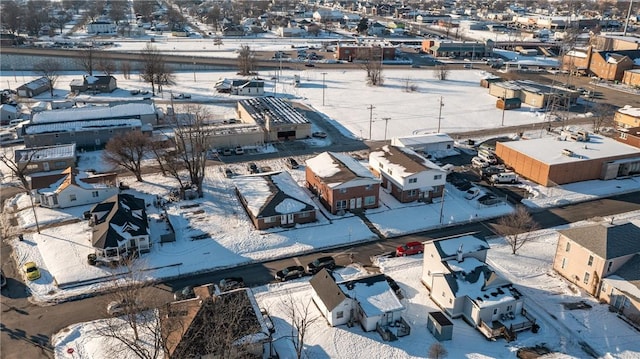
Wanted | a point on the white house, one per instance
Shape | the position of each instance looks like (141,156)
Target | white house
(327,15)
(462,285)
(407,175)
(436,144)
(369,301)
(290,31)
(8,113)
(101,26)
(77,189)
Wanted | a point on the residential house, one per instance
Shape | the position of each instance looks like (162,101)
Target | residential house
(631,137)
(274,200)
(578,60)
(94,84)
(101,26)
(215,325)
(327,15)
(120,227)
(376,29)
(233,30)
(627,117)
(603,260)
(463,285)
(278,118)
(342,183)
(44,159)
(34,88)
(368,300)
(77,189)
(290,31)
(407,175)
(240,87)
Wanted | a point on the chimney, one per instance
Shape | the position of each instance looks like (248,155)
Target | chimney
(459,254)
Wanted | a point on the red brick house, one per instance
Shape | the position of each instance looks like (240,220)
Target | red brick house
(630,136)
(342,183)
(610,65)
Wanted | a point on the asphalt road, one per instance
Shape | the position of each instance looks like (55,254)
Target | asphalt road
(27,328)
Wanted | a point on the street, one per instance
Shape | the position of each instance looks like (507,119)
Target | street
(27,328)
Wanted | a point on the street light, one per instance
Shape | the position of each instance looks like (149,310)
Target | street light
(440,113)
(323,86)
(194,68)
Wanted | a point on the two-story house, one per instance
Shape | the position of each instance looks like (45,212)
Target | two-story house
(601,260)
(341,183)
(462,285)
(407,175)
(71,188)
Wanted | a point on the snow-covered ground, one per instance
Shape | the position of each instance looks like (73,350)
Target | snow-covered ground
(562,330)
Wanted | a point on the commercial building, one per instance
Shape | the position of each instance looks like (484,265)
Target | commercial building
(280,121)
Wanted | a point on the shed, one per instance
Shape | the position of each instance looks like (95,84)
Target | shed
(440,326)
(509,103)
(489,80)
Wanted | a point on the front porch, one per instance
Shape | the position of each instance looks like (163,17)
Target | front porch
(394,330)
(507,326)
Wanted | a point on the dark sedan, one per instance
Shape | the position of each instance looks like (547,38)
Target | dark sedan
(231,283)
(290,273)
(322,262)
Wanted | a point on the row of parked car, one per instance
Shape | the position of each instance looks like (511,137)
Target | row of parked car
(293,272)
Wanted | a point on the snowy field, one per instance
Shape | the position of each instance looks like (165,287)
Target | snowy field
(561,330)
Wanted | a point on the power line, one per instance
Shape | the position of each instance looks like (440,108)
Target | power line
(371,107)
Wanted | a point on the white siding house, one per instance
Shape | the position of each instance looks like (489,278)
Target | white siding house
(76,190)
(407,175)
(334,305)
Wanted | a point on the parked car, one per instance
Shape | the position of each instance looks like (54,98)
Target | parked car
(409,249)
(226,152)
(31,270)
(184,293)
(181,96)
(487,172)
(506,177)
(253,168)
(488,156)
(290,273)
(228,173)
(322,262)
(472,193)
(479,162)
(231,283)
(3,279)
(319,134)
(239,150)
(292,163)
(120,307)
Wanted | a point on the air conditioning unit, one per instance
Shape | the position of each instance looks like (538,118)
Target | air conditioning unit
(567,153)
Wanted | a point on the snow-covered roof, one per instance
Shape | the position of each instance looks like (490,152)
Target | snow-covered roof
(36,154)
(374,295)
(272,109)
(474,279)
(467,244)
(338,168)
(278,190)
(8,108)
(79,126)
(128,110)
(549,150)
(37,83)
(630,110)
(417,140)
(402,161)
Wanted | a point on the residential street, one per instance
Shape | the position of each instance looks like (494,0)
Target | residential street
(30,338)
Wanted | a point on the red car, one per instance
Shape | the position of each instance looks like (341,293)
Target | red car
(409,249)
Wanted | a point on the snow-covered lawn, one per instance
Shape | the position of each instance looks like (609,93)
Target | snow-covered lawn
(562,330)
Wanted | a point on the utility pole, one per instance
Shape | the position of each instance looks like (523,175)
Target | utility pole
(626,23)
(194,68)
(504,105)
(371,107)
(323,86)
(440,113)
(386,122)
(442,205)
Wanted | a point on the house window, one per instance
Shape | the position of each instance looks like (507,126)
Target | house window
(412,193)
(390,172)
(413,180)
(368,187)
(269,219)
(437,177)
(369,200)
(623,135)
(339,314)
(586,278)
(609,266)
(304,215)
(568,247)
(60,164)
(342,204)
(590,262)
(604,287)
(509,308)
(380,165)
(450,300)
(495,311)
(94,194)
(564,263)
(443,293)
(343,190)
(72,197)
(448,147)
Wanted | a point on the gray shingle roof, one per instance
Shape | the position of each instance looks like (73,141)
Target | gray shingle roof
(327,289)
(607,241)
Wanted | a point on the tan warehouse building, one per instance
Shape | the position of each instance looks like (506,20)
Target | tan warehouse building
(553,161)
(279,119)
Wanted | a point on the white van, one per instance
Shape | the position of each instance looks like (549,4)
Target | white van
(488,156)
(506,177)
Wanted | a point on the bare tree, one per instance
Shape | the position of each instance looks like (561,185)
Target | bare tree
(11,15)
(128,151)
(187,152)
(409,86)
(246,60)
(441,72)
(107,66)
(86,59)
(125,66)
(371,59)
(516,228)
(19,169)
(36,16)
(301,316)
(437,351)
(155,69)
(49,69)
(602,116)
(133,328)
